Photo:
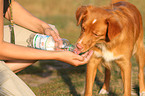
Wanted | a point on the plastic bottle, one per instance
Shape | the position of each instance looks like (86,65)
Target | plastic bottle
(45,42)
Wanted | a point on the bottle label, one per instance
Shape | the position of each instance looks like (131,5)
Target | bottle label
(43,42)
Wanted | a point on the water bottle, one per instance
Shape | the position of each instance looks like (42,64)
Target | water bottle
(45,42)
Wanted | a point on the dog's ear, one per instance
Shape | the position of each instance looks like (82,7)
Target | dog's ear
(81,13)
(114,28)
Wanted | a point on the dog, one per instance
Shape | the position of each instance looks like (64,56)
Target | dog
(115,33)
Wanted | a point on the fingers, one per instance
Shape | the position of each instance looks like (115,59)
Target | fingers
(83,59)
(50,31)
(75,59)
(53,28)
(54,33)
(88,55)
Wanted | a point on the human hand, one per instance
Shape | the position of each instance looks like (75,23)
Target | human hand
(51,30)
(74,59)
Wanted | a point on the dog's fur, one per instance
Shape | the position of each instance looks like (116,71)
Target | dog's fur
(115,33)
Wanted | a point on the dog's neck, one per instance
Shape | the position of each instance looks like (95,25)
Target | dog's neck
(106,53)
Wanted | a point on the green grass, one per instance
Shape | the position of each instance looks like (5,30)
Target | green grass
(70,81)
(53,78)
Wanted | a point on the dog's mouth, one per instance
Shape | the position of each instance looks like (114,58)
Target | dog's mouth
(77,51)
(80,52)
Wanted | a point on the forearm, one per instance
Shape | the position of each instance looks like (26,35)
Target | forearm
(10,52)
(23,18)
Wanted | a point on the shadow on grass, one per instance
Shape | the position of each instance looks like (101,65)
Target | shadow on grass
(136,89)
(100,84)
(46,68)
(63,69)
(65,77)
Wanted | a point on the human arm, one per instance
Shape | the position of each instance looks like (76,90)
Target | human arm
(11,51)
(14,52)
(25,19)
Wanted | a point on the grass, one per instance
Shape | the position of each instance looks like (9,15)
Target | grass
(69,81)
(54,78)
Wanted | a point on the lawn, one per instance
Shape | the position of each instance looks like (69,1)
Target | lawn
(55,78)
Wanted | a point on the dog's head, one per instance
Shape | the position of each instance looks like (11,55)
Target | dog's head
(97,26)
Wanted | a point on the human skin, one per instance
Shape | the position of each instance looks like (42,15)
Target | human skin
(15,52)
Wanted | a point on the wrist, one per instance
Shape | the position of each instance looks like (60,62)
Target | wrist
(59,55)
(55,55)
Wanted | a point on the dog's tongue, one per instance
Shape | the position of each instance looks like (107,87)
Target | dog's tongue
(76,50)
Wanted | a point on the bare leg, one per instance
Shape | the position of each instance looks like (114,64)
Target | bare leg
(21,35)
(18,65)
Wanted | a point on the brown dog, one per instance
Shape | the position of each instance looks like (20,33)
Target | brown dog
(115,33)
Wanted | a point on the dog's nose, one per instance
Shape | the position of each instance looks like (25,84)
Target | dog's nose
(79,46)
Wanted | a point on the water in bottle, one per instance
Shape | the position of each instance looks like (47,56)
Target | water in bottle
(45,42)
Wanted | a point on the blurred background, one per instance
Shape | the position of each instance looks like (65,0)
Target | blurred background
(55,78)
